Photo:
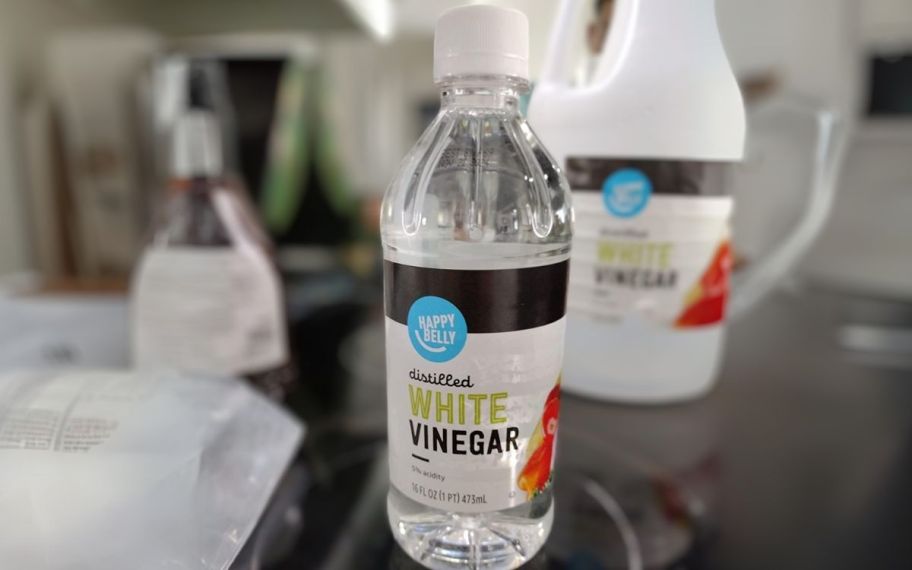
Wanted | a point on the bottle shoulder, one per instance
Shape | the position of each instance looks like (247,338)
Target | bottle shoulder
(677,113)
(208,215)
(673,125)
(477,177)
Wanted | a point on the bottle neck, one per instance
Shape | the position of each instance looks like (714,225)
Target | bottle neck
(196,146)
(482,92)
(193,185)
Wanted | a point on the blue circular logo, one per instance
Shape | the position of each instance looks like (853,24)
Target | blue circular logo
(626,192)
(437,329)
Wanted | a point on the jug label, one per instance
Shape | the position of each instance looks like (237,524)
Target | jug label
(473,363)
(212,310)
(651,241)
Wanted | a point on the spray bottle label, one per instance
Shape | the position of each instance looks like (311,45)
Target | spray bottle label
(473,373)
(651,241)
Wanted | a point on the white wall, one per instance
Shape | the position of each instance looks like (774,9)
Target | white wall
(811,46)
(886,24)
(867,245)
(819,48)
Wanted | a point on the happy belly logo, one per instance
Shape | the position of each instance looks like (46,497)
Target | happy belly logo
(437,329)
(626,192)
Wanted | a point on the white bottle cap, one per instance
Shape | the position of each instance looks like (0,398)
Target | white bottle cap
(196,146)
(481,40)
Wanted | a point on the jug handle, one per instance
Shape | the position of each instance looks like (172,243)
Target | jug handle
(762,276)
(557,61)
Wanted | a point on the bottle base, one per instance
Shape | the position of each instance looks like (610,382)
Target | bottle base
(445,541)
(648,364)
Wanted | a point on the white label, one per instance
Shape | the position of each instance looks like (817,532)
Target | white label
(214,310)
(475,433)
(668,263)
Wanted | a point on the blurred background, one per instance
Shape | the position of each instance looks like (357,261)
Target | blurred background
(83,91)
(319,100)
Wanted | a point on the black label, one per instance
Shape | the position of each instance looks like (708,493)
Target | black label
(667,177)
(491,300)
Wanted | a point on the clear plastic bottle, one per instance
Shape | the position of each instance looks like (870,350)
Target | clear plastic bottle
(476,232)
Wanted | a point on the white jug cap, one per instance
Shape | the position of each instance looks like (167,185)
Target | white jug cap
(196,146)
(481,40)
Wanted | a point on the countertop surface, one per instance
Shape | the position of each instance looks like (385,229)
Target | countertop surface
(801,457)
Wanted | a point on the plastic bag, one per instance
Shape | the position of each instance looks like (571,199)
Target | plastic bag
(103,470)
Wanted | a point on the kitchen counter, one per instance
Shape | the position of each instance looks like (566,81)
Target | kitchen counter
(800,458)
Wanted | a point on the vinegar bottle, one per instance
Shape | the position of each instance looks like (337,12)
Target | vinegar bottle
(206,297)
(476,232)
(645,146)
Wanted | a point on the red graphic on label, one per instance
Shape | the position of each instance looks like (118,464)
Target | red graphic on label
(705,302)
(536,474)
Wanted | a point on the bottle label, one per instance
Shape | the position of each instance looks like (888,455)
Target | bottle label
(212,310)
(651,241)
(473,382)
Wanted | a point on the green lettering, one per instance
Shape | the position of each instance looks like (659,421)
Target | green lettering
(477,399)
(637,254)
(421,402)
(665,255)
(495,408)
(444,408)
(632,254)
(606,251)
